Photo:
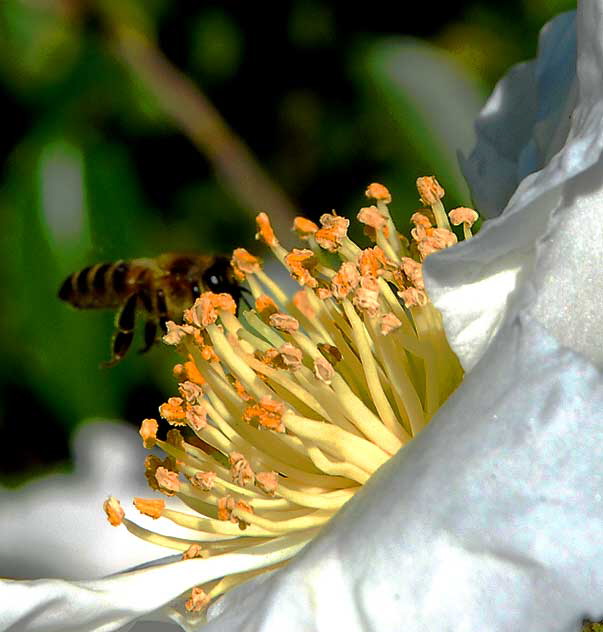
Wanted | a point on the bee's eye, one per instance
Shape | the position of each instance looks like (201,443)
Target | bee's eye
(215,279)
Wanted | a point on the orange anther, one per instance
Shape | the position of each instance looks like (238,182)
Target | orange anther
(176,333)
(167,479)
(193,551)
(304,228)
(301,263)
(240,469)
(333,232)
(323,370)
(346,280)
(152,507)
(148,432)
(372,261)
(114,511)
(244,263)
(265,232)
(430,190)
(389,323)
(284,322)
(378,192)
(204,480)
(199,600)
(268,413)
(463,215)
(267,482)
(173,411)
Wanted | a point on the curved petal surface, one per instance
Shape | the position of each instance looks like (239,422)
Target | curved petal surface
(75,541)
(466,529)
(488,279)
(514,135)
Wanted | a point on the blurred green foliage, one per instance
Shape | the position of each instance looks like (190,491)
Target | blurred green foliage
(326,97)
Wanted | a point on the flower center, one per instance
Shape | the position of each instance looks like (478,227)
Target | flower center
(287,409)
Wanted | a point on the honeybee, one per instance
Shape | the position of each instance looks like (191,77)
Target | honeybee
(161,287)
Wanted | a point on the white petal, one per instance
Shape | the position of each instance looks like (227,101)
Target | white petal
(55,526)
(510,247)
(491,520)
(569,273)
(512,128)
(49,605)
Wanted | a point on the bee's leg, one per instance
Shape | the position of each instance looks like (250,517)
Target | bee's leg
(150,334)
(124,334)
(162,310)
(150,326)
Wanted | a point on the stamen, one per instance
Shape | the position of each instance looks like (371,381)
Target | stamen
(431,194)
(304,228)
(465,216)
(370,369)
(148,432)
(372,262)
(301,263)
(287,409)
(199,600)
(114,511)
(244,264)
(265,307)
(193,551)
(346,280)
(333,232)
(337,442)
(378,192)
(152,507)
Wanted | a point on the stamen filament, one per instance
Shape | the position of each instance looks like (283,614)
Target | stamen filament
(288,408)
(329,500)
(440,215)
(311,520)
(328,466)
(264,330)
(210,525)
(279,296)
(370,370)
(337,442)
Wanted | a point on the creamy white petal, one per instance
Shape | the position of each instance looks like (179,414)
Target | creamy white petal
(513,137)
(49,605)
(569,273)
(55,527)
(491,520)
(513,246)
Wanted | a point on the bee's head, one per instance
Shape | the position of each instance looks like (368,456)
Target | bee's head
(219,277)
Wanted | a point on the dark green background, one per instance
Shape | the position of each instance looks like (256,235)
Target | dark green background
(315,90)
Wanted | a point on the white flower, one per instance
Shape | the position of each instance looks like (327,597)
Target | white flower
(70,544)
(492,518)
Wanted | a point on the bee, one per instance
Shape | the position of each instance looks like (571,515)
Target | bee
(161,287)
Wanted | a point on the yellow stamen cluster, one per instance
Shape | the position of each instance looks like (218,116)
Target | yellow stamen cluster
(286,410)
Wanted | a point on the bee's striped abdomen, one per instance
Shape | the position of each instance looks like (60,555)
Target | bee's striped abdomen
(101,285)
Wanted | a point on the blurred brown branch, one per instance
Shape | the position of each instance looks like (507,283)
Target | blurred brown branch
(189,108)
